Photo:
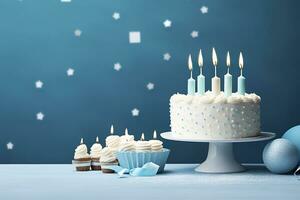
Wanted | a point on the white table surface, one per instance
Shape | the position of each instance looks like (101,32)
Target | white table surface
(178,182)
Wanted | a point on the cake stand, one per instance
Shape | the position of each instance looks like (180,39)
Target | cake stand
(220,156)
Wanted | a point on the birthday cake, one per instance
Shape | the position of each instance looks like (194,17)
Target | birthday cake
(215,114)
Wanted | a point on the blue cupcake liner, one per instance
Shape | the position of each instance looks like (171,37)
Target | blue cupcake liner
(134,159)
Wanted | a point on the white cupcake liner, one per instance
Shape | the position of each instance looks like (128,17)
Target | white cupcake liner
(104,165)
(95,163)
(77,163)
(134,159)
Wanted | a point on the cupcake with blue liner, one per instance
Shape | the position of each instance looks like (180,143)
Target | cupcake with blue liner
(127,148)
(145,152)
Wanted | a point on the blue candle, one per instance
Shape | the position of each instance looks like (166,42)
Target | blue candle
(228,78)
(201,77)
(201,84)
(191,81)
(241,85)
(191,86)
(241,78)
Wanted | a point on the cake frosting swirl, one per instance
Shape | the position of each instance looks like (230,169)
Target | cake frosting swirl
(107,155)
(81,151)
(211,98)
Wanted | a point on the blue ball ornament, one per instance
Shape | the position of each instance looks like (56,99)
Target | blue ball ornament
(293,135)
(280,156)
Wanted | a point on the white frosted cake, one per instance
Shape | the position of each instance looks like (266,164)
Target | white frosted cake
(212,116)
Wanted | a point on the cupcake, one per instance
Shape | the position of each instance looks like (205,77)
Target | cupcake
(82,160)
(113,141)
(126,137)
(95,155)
(145,151)
(107,158)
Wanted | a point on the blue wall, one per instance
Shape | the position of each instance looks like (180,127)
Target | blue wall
(37,42)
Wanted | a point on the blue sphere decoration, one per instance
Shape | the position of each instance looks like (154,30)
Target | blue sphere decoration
(280,156)
(293,135)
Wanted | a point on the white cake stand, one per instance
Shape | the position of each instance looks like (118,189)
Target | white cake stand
(220,157)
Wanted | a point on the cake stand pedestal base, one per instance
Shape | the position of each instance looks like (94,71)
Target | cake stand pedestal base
(220,157)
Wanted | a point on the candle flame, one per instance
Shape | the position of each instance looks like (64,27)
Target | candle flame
(97,139)
(200,59)
(190,63)
(142,137)
(81,141)
(126,131)
(112,129)
(228,59)
(214,57)
(154,134)
(241,61)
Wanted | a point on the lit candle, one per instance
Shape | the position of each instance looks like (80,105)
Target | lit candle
(191,81)
(81,141)
(112,130)
(126,131)
(228,78)
(201,77)
(142,137)
(154,135)
(241,78)
(154,138)
(215,81)
(97,139)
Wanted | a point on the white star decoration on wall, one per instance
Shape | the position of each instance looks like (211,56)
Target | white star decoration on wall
(167,56)
(77,32)
(9,146)
(204,9)
(194,34)
(40,116)
(167,23)
(39,84)
(134,37)
(117,66)
(70,72)
(116,15)
(135,112)
(150,86)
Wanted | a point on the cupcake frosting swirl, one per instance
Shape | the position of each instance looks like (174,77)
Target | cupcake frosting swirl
(96,150)
(125,138)
(113,141)
(143,146)
(127,146)
(81,152)
(107,155)
(156,145)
